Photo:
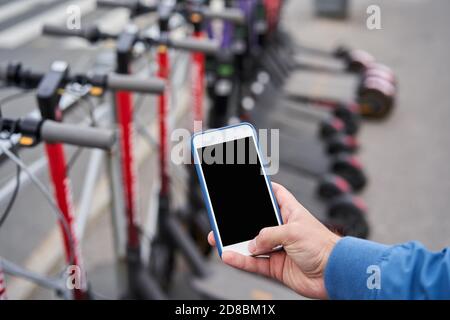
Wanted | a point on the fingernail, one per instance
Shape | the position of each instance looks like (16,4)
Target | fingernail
(252,246)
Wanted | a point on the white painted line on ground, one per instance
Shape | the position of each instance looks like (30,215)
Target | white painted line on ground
(114,21)
(15,8)
(31,28)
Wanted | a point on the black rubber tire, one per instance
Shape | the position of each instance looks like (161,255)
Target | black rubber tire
(342,165)
(162,261)
(330,127)
(376,97)
(374,104)
(341,143)
(351,119)
(198,230)
(350,219)
(331,186)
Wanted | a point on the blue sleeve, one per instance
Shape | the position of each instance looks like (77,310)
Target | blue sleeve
(361,269)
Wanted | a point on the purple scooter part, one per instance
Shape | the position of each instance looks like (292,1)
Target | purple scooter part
(226,41)
(227,34)
(249,7)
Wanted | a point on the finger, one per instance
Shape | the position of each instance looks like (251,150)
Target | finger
(246,263)
(211,239)
(283,195)
(276,186)
(269,238)
(286,201)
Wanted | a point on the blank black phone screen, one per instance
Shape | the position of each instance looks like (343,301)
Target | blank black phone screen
(237,189)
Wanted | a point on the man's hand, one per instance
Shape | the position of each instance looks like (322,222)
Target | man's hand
(307,245)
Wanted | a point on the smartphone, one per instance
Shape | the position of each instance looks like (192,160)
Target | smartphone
(237,192)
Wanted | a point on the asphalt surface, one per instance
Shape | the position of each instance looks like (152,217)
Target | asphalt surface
(407,156)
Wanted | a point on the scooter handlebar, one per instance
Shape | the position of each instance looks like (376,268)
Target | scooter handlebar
(136,84)
(232,14)
(54,132)
(3,73)
(200,45)
(58,31)
(116,4)
(136,7)
(91,33)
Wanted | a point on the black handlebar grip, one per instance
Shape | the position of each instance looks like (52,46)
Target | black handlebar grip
(3,72)
(136,7)
(55,132)
(232,14)
(121,82)
(117,4)
(58,31)
(198,45)
(91,33)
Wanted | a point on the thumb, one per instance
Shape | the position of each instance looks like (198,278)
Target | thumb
(269,238)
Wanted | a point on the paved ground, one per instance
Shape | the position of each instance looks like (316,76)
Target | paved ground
(406,156)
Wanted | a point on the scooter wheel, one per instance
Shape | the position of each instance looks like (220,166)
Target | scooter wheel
(356,60)
(331,186)
(198,229)
(341,51)
(382,72)
(376,98)
(359,60)
(347,214)
(349,168)
(349,114)
(330,127)
(341,143)
(162,261)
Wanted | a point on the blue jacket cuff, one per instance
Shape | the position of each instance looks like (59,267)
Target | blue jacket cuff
(349,267)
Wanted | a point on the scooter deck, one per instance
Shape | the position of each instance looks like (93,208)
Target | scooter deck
(276,101)
(286,112)
(228,283)
(300,150)
(290,123)
(299,144)
(304,111)
(273,106)
(319,71)
(336,87)
(303,155)
(304,57)
(303,189)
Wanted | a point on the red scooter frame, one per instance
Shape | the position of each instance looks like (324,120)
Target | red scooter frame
(3,295)
(197,77)
(163,104)
(198,82)
(273,11)
(61,188)
(124,101)
(48,99)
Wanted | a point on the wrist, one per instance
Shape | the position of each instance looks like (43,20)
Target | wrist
(327,247)
(330,243)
